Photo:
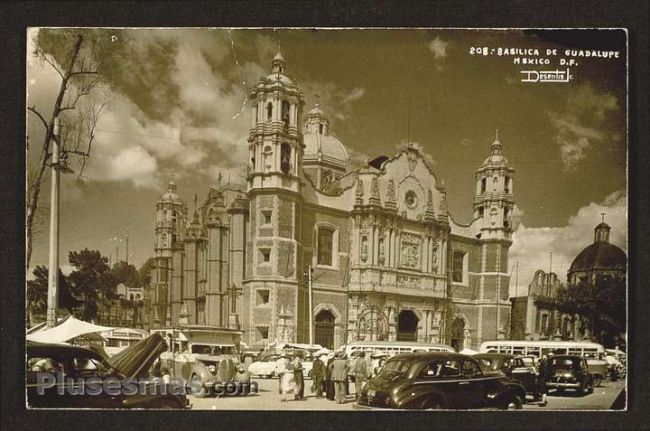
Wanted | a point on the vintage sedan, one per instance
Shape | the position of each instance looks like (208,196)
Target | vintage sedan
(569,372)
(65,376)
(514,367)
(440,380)
(264,368)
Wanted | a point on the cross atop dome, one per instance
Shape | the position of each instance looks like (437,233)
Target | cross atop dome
(496,145)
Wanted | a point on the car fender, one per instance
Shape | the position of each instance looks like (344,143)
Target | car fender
(496,396)
(415,395)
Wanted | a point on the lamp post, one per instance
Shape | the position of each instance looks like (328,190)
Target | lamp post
(58,164)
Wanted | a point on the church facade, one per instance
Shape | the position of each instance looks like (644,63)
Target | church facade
(384,258)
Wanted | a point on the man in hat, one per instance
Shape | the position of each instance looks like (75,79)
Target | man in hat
(360,373)
(281,367)
(339,368)
(318,376)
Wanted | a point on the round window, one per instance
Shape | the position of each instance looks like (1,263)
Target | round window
(411,199)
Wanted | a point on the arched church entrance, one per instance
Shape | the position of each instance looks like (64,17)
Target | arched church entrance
(407,326)
(324,329)
(458,334)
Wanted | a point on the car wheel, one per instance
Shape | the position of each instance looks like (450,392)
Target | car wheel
(597,381)
(432,404)
(513,402)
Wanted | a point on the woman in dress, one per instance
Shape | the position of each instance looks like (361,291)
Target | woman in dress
(285,372)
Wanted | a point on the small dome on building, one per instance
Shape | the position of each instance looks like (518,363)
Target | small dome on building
(320,145)
(496,156)
(170,195)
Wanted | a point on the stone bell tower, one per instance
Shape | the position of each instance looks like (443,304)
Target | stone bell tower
(493,206)
(275,143)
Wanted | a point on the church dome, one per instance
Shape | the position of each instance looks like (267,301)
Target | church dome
(601,255)
(320,145)
(496,156)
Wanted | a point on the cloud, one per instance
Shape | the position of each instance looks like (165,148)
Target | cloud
(531,245)
(439,48)
(580,123)
(356,94)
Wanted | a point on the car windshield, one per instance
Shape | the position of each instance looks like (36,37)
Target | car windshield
(395,367)
(564,363)
(205,349)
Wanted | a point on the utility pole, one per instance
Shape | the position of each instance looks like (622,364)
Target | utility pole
(127,251)
(311,309)
(53,274)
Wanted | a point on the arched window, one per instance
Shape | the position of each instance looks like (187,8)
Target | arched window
(174,217)
(164,240)
(320,128)
(285,158)
(285,112)
(506,216)
(325,240)
(269,111)
(483,184)
(507,185)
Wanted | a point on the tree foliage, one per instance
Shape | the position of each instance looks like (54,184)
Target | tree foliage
(126,274)
(82,58)
(603,303)
(91,280)
(36,297)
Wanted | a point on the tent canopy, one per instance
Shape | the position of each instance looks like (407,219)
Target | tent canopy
(66,331)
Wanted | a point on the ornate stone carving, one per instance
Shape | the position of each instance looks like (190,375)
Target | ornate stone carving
(359,192)
(410,250)
(408,282)
(428,213)
(434,258)
(412,158)
(374,192)
(391,200)
(364,248)
(382,253)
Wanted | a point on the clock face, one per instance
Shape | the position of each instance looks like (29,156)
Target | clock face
(411,199)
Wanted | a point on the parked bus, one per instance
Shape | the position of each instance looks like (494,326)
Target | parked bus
(593,352)
(119,339)
(391,348)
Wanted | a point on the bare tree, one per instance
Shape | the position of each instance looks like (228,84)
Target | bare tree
(76,55)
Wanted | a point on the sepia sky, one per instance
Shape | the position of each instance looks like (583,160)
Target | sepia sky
(176,110)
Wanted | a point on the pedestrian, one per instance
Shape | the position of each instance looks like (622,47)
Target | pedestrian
(280,365)
(360,374)
(542,376)
(339,369)
(329,383)
(299,380)
(318,377)
(285,375)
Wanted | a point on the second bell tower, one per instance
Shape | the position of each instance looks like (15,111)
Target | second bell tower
(275,140)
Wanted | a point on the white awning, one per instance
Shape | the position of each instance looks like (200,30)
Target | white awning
(65,331)
(468,351)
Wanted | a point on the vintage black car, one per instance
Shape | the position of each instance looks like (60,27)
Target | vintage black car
(439,380)
(569,372)
(66,376)
(514,367)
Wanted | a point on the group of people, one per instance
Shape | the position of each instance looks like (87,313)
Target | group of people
(330,375)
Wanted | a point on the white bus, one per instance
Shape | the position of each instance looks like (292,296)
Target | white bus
(593,352)
(391,348)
